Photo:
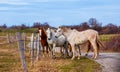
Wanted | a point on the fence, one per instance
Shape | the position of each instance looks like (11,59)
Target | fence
(35,43)
(20,38)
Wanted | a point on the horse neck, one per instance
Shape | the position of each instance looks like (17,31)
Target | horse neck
(43,34)
(67,33)
(53,34)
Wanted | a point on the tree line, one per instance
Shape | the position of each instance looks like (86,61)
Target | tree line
(91,24)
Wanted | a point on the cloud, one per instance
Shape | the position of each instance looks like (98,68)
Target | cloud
(13,2)
(10,8)
(42,1)
(4,8)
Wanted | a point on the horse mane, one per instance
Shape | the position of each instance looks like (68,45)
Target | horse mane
(65,29)
(44,35)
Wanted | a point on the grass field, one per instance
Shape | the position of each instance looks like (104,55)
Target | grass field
(107,37)
(10,62)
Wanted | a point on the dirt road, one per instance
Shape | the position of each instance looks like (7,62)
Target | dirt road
(110,62)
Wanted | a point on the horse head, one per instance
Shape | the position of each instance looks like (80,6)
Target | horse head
(41,32)
(49,33)
(40,29)
(59,32)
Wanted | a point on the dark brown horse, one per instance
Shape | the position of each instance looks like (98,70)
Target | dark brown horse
(43,39)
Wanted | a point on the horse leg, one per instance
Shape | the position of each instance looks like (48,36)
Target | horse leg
(95,49)
(47,49)
(88,46)
(43,47)
(73,50)
(66,49)
(53,51)
(70,50)
(98,46)
(51,47)
(78,51)
(61,52)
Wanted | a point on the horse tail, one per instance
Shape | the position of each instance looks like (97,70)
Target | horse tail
(99,42)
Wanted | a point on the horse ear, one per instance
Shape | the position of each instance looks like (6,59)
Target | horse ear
(48,28)
(60,27)
(71,28)
(55,31)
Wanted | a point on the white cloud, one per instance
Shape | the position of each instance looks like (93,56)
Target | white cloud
(106,7)
(4,8)
(13,2)
(52,0)
(10,8)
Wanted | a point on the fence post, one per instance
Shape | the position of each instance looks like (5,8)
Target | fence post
(21,51)
(8,39)
(32,49)
(38,46)
(24,39)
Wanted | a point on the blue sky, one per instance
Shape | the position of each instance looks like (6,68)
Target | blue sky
(59,12)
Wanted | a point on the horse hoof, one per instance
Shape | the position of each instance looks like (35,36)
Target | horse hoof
(93,58)
(66,56)
(61,56)
(53,57)
(72,58)
(43,55)
(78,58)
(86,54)
(37,59)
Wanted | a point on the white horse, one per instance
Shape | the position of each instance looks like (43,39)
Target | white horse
(56,42)
(75,37)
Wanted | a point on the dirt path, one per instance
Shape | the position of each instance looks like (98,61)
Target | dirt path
(110,62)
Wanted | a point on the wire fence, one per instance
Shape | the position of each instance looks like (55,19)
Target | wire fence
(21,39)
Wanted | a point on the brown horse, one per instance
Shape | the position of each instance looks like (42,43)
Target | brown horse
(43,39)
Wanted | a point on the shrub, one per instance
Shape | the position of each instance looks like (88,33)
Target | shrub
(113,44)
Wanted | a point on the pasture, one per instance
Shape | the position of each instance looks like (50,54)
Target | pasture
(10,61)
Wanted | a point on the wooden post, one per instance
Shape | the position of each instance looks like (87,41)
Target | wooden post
(38,46)
(24,39)
(32,49)
(8,39)
(21,51)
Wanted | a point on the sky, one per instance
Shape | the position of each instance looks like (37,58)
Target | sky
(59,12)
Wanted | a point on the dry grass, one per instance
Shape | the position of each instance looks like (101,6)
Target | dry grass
(10,62)
(107,37)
